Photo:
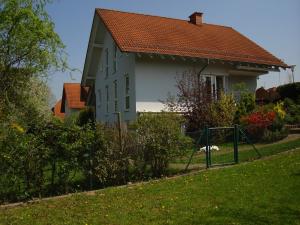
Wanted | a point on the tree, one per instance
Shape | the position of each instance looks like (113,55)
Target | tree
(29,45)
(193,100)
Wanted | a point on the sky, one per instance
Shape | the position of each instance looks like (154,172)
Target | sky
(273,24)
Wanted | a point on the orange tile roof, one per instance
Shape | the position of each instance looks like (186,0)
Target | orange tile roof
(159,35)
(57,110)
(72,92)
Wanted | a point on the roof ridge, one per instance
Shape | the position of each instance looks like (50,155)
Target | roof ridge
(164,17)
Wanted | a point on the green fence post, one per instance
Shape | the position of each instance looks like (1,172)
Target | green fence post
(206,147)
(235,144)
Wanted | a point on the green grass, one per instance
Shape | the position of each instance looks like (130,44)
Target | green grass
(246,152)
(261,192)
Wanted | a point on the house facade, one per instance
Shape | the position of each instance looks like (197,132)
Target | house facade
(73,98)
(133,61)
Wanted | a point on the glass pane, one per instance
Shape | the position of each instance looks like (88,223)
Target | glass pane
(127,102)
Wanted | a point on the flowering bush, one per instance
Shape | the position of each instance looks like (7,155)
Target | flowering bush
(257,122)
(279,109)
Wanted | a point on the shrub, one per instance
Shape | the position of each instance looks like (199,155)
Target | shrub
(292,109)
(246,104)
(223,110)
(291,91)
(257,122)
(111,156)
(161,137)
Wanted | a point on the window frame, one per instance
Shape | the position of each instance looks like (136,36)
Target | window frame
(115,58)
(127,92)
(106,62)
(116,108)
(107,98)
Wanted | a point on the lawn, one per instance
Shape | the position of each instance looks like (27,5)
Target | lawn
(265,191)
(246,153)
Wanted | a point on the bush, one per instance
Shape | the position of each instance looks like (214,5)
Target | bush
(111,156)
(292,109)
(272,136)
(161,138)
(291,91)
(223,110)
(256,123)
(245,105)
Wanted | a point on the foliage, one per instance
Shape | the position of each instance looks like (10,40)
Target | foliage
(270,136)
(257,122)
(223,111)
(198,105)
(111,155)
(86,116)
(292,111)
(29,49)
(260,192)
(279,109)
(161,138)
(291,91)
(246,102)
(28,40)
(32,106)
(22,157)
(193,100)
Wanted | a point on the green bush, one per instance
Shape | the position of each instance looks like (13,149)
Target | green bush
(291,91)
(111,156)
(245,105)
(292,109)
(161,138)
(272,136)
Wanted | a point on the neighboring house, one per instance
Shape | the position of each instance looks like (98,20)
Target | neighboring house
(132,60)
(57,110)
(73,98)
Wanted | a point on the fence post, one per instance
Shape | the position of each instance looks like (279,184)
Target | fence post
(207,147)
(235,144)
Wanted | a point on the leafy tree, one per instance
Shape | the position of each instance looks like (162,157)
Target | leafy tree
(193,100)
(29,46)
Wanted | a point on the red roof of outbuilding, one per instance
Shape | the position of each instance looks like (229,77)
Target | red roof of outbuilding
(57,110)
(72,92)
(159,35)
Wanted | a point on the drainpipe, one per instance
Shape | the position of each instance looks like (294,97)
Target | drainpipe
(202,69)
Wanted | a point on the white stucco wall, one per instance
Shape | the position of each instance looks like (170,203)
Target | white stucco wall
(125,65)
(156,79)
(152,79)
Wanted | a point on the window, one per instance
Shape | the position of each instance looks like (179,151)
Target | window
(115,57)
(127,96)
(220,85)
(107,98)
(116,95)
(99,98)
(106,63)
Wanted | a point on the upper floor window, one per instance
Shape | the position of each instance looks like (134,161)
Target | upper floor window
(107,98)
(115,58)
(116,96)
(127,92)
(99,98)
(106,62)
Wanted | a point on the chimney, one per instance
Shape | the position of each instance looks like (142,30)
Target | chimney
(196,18)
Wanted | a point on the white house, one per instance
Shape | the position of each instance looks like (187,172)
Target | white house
(132,60)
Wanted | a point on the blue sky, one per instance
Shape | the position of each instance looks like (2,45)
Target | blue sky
(273,24)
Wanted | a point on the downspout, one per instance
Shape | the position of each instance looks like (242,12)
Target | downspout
(202,69)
